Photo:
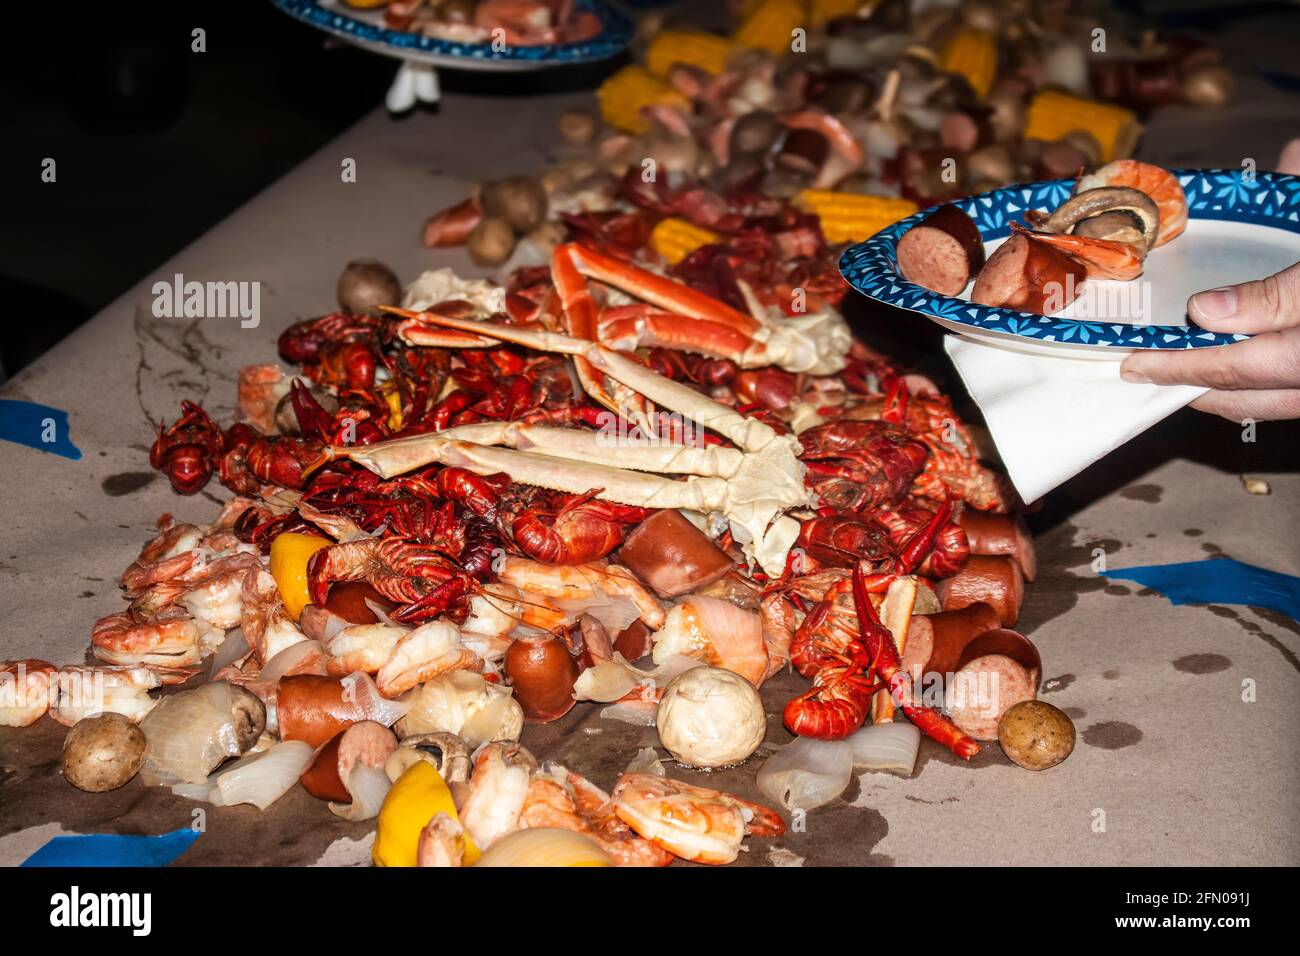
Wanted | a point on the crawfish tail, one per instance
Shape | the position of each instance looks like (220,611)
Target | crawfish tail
(938,727)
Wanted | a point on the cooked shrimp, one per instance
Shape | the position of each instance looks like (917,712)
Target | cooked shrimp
(441,843)
(695,823)
(81,692)
(129,638)
(1160,184)
(716,632)
(579,582)
(362,647)
(420,655)
(493,614)
(497,792)
(265,623)
(570,801)
(1103,258)
(24,691)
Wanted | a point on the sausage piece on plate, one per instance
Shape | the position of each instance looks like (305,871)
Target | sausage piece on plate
(1028,275)
(942,252)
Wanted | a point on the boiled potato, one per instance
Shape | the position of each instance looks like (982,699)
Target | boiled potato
(366,284)
(102,753)
(1036,735)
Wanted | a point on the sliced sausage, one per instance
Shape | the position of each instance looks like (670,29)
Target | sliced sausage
(991,533)
(367,742)
(997,670)
(993,579)
(1030,276)
(635,641)
(935,641)
(942,252)
(985,689)
(673,556)
(314,708)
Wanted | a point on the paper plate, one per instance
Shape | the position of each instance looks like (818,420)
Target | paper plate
(365,28)
(1240,227)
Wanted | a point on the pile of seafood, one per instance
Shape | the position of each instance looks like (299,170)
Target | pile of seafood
(855,119)
(608,483)
(514,22)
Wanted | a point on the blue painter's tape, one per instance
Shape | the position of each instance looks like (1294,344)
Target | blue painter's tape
(1218,581)
(37,426)
(110,849)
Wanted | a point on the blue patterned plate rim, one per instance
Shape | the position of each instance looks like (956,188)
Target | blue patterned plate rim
(871,267)
(616,33)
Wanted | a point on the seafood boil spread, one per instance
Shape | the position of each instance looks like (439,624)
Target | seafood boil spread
(647,470)
(516,22)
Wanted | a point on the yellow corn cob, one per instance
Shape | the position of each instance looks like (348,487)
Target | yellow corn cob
(623,94)
(771,26)
(973,54)
(1052,115)
(852,217)
(675,239)
(704,50)
(823,11)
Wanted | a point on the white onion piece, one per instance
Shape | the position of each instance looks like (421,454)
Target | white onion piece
(266,777)
(200,792)
(376,706)
(232,649)
(616,612)
(638,713)
(807,773)
(501,719)
(380,613)
(544,846)
(289,658)
(891,747)
(608,681)
(646,761)
(368,787)
(614,679)
(190,734)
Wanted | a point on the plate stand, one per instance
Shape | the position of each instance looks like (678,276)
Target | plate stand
(414,83)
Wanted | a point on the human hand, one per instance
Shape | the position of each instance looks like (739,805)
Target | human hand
(1258,378)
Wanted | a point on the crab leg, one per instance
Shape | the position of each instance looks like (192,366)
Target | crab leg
(580,314)
(655,289)
(816,342)
(747,433)
(389,459)
(597,447)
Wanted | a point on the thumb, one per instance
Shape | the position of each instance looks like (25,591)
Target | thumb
(1289,161)
(1264,305)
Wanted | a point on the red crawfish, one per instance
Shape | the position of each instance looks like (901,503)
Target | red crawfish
(186,452)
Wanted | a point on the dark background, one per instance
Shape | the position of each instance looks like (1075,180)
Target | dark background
(155,144)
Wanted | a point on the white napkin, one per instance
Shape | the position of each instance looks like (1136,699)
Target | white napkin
(1053,417)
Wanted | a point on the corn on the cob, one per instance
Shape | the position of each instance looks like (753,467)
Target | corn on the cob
(973,54)
(675,239)
(1052,115)
(623,95)
(852,217)
(693,47)
(823,11)
(771,26)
